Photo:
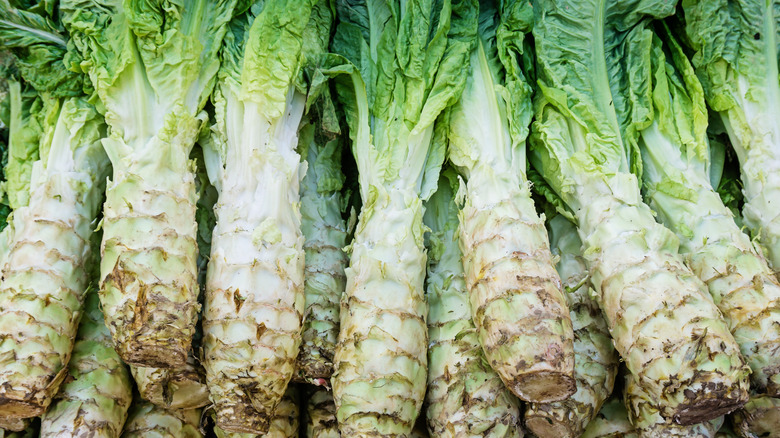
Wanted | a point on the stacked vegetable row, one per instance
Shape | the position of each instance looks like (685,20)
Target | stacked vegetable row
(219,133)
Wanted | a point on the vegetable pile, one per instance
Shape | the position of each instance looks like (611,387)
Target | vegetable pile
(389,218)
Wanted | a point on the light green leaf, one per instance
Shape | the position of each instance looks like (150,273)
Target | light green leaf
(40,45)
(588,68)
(25,130)
(410,59)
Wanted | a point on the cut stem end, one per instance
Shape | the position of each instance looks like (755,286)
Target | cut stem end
(548,427)
(13,412)
(157,356)
(543,386)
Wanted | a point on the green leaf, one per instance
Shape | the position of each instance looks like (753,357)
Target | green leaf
(673,133)
(23,146)
(40,46)
(273,53)
(734,38)
(592,60)
(147,57)
(409,59)
(20,28)
(516,54)
(444,215)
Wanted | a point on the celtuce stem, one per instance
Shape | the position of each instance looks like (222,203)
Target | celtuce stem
(325,234)
(664,324)
(254,303)
(321,415)
(649,423)
(12,425)
(761,178)
(254,294)
(380,362)
(97,393)
(511,277)
(44,274)
(742,285)
(177,389)
(283,422)
(595,359)
(149,286)
(163,61)
(516,299)
(760,417)
(26,429)
(612,422)
(735,53)
(465,397)
(678,186)
(147,420)
(633,261)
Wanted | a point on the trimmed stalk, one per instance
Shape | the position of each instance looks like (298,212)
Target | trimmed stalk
(465,397)
(283,422)
(662,319)
(644,413)
(185,388)
(254,300)
(596,362)
(325,232)
(45,273)
(760,417)
(153,69)
(322,224)
(380,366)
(23,428)
(177,389)
(147,420)
(321,415)
(677,167)
(612,422)
(735,45)
(380,362)
(633,262)
(13,425)
(97,393)
(517,303)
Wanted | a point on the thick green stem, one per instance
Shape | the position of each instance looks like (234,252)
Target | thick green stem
(149,288)
(10,426)
(254,303)
(516,299)
(325,232)
(178,389)
(465,397)
(97,393)
(283,422)
(44,274)
(321,415)
(742,285)
(147,420)
(595,359)
(380,365)
(760,417)
(666,328)
(612,422)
